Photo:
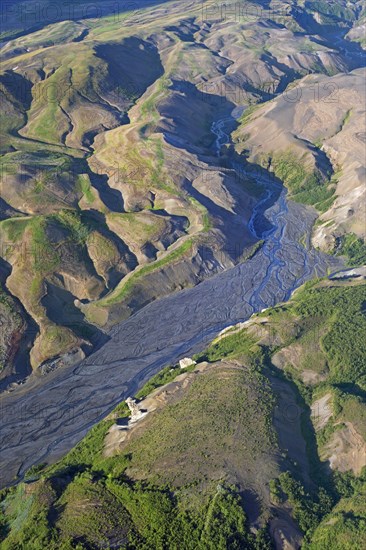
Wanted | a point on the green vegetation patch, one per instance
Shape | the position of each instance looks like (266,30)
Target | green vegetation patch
(159,523)
(218,404)
(354,248)
(84,186)
(120,292)
(24,518)
(353,409)
(14,228)
(344,528)
(307,509)
(333,12)
(229,346)
(88,512)
(343,312)
(304,186)
(75,224)
(328,326)
(247,115)
(93,504)
(45,257)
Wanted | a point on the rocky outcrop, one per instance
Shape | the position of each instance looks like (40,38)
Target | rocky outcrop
(186,362)
(136,412)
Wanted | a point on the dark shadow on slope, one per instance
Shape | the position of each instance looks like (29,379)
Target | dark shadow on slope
(81,36)
(18,88)
(15,99)
(288,76)
(331,35)
(251,505)
(133,66)
(21,366)
(255,180)
(185,30)
(112,198)
(322,161)
(97,220)
(231,224)
(235,165)
(352,389)
(60,309)
(287,413)
(7,211)
(183,104)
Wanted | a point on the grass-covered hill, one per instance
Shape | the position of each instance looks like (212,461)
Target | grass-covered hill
(105,181)
(241,450)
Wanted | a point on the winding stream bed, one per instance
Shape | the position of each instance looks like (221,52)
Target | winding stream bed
(274,237)
(47,416)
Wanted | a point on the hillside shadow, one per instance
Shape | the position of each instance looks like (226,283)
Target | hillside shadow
(97,220)
(331,36)
(252,505)
(352,389)
(245,173)
(21,359)
(112,198)
(61,309)
(320,472)
(133,65)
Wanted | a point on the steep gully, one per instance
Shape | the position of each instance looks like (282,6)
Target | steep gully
(273,237)
(46,416)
